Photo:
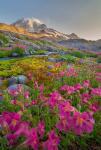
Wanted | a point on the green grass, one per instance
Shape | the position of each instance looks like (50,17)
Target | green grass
(40,52)
(78,54)
(4,39)
(68,58)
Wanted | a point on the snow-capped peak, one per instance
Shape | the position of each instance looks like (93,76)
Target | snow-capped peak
(30,24)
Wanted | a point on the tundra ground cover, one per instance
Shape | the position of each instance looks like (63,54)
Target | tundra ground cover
(61,110)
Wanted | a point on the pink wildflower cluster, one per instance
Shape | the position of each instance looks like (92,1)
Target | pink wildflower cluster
(73,120)
(96,91)
(17,128)
(68,89)
(52,142)
(54,99)
(70,72)
(75,88)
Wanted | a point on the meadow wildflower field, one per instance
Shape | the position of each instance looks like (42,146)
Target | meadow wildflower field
(58,109)
(50,75)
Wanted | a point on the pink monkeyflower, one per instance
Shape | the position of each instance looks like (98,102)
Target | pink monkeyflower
(68,89)
(13,92)
(32,139)
(13,102)
(10,119)
(64,87)
(86,83)
(11,139)
(96,91)
(9,116)
(64,123)
(71,72)
(22,130)
(65,114)
(33,102)
(52,142)
(36,86)
(26,104)
(41,88)
(41,128)
(66,107)
(78,87)
(54,99)
(95,107)
(62,74)
(41,97)
(26,94)
(82,123)
(85,97)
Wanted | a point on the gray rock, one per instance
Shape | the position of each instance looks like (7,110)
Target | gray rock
(15,55)
(12,80)
(55,59)
(52,59)
(22,79)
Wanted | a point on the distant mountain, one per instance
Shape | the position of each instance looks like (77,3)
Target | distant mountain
(34,25)
(82,44)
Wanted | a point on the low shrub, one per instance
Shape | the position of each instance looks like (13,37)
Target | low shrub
(78,54)
(18,50)
(8,53)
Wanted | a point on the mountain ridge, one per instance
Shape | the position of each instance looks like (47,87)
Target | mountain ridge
(36,29)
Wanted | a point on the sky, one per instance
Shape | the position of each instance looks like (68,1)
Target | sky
(82,17)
